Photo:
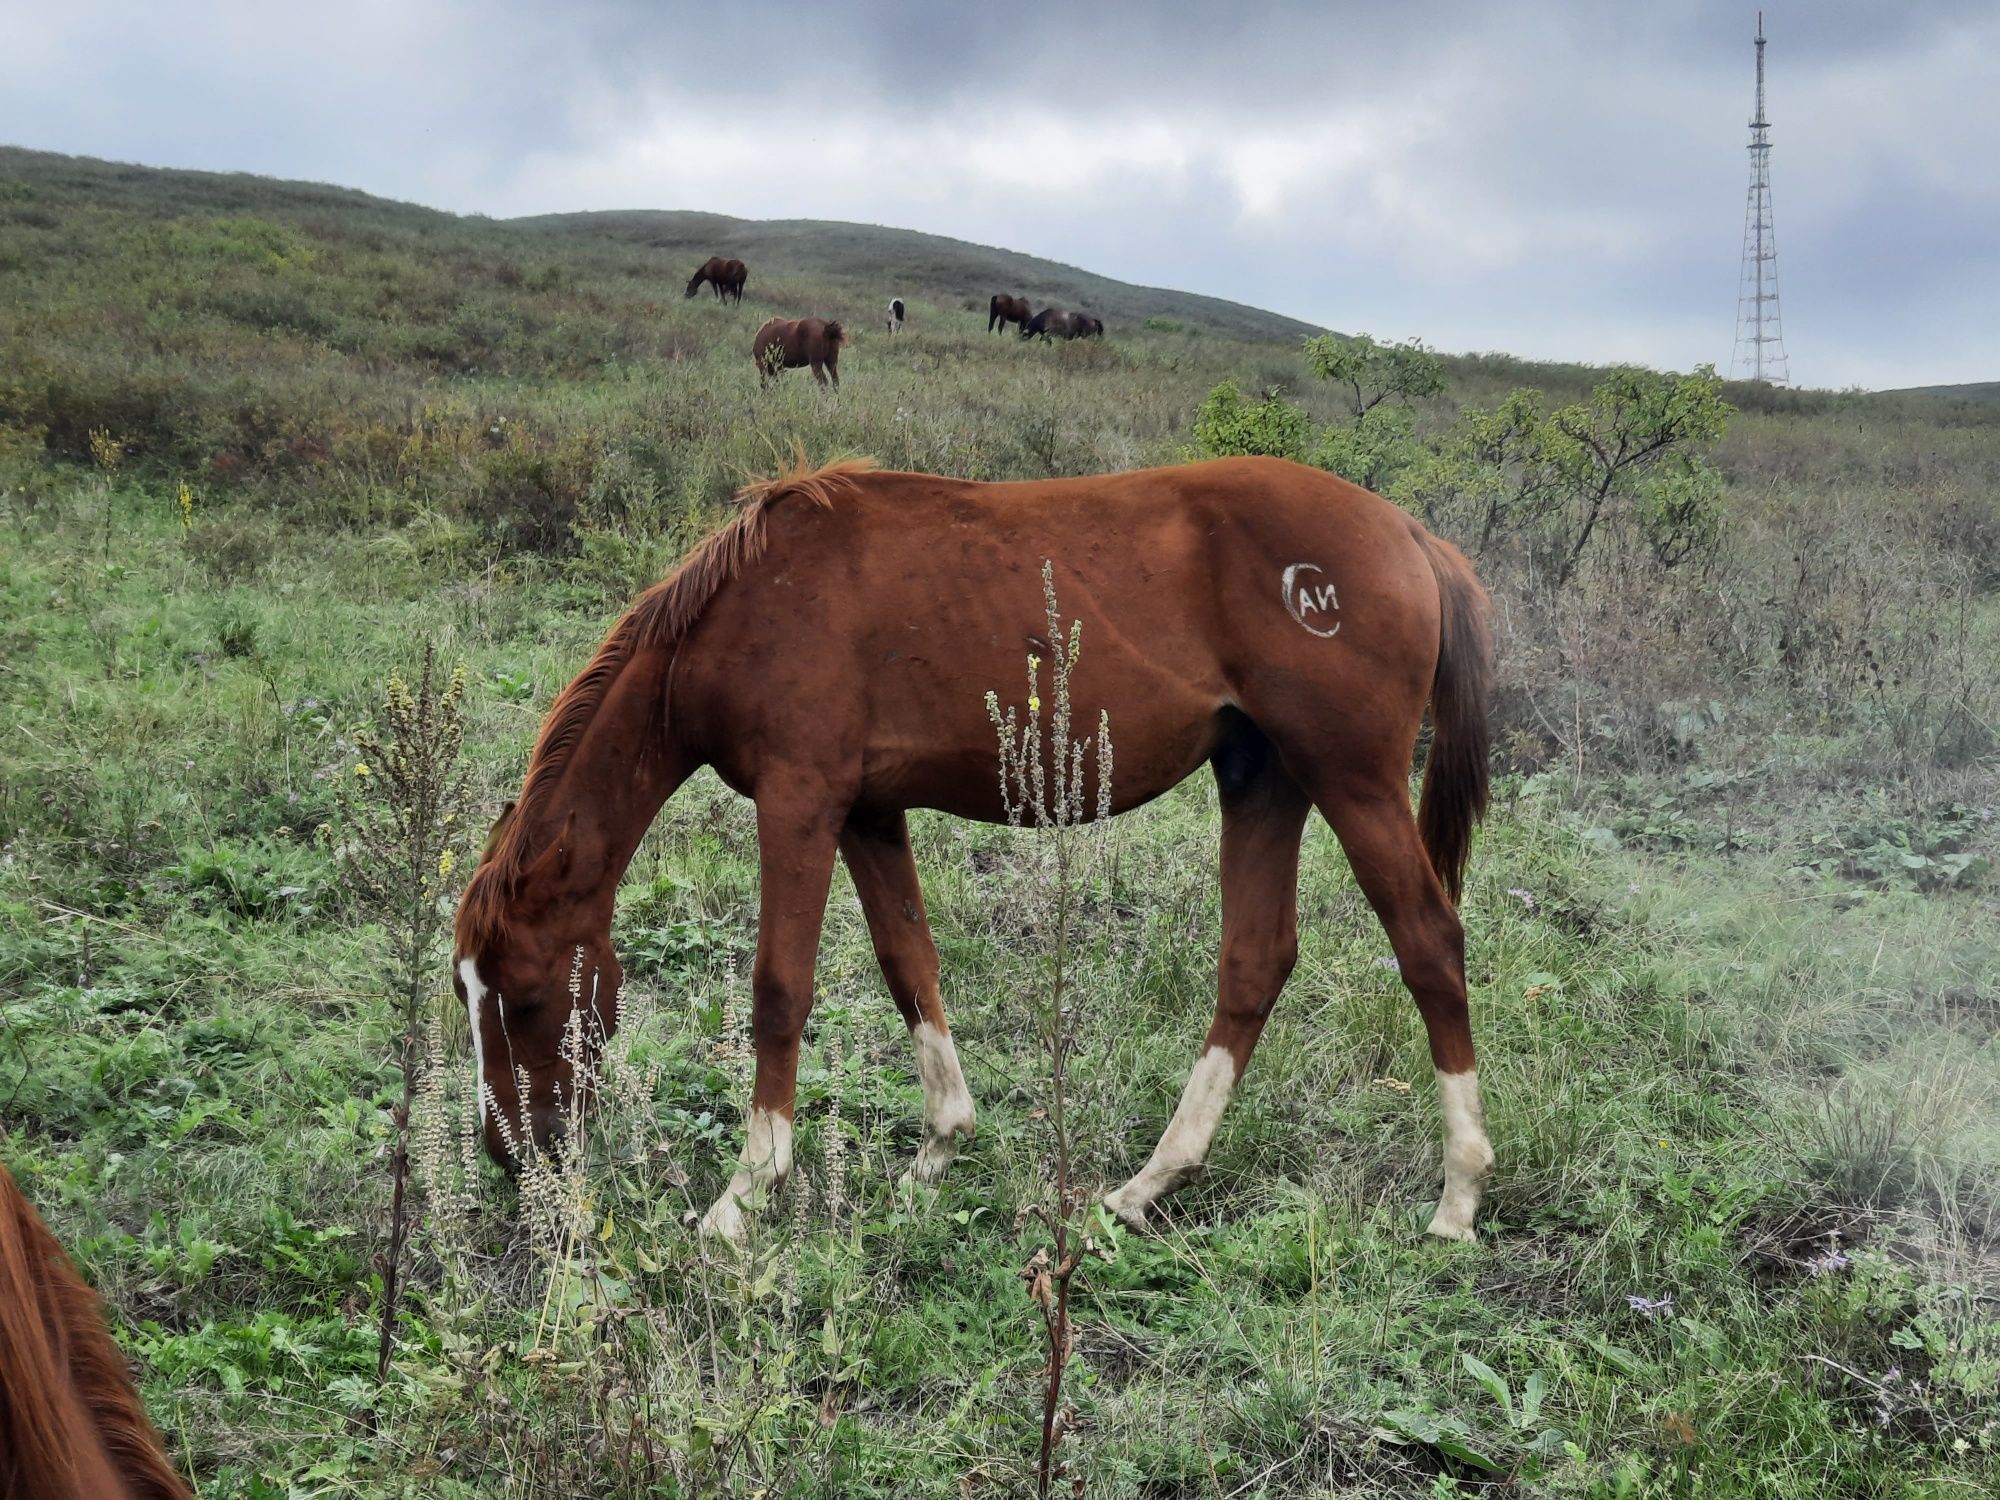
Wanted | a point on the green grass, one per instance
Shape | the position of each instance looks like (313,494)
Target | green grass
(1751,1007)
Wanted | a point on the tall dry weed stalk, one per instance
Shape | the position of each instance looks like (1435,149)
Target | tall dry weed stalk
(405,814)
(1045,789)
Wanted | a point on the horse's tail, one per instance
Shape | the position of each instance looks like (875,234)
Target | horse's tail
(1455,773)
(836,336)
(52,1340)
(34,1436)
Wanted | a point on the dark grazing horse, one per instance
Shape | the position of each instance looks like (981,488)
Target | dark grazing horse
(1056,323)
(895,315)
(71,1424)
(828,651)
(1004,309)
(726,278)
(790,343)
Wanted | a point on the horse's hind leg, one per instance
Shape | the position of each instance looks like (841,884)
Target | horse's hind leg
(795,843)
(877,851)
(1379,833)
(1263,815)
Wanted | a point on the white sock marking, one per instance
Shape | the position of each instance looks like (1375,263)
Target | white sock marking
(475,993)
(1468,1155)
(1184,1146)
(947,1101)
(766,1161)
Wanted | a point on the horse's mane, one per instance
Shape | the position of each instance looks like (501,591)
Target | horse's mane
(660,617)
(52,1339)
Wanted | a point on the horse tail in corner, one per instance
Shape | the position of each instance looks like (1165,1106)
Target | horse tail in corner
(32,1430)
(836,335)
(1455,772)
(53,1341)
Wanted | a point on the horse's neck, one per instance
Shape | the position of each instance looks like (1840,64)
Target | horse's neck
(625,764)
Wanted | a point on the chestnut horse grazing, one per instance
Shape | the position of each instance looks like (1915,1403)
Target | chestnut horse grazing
(1004,309)
(71,1426)
(828,652)
(790,343)
(726,277)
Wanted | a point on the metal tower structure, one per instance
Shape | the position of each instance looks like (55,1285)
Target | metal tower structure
(1760,333)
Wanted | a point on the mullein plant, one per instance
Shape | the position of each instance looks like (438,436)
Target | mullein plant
(1044,778)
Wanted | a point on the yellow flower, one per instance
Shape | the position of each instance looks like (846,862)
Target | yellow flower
(361,768)
(1034,704)
(187,506)
(445,862)
(1663,1146)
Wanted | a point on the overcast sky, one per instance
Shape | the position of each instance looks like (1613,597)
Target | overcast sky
(1559,179)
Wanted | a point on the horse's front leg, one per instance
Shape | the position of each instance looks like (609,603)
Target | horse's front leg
(796,839)
(877,850)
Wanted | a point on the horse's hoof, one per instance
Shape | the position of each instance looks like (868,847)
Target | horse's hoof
(934,1158)
(941,1143)
(1446,1228)
(723,1224)
(1127,1208)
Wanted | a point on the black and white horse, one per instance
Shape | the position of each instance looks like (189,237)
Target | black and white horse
(895,315)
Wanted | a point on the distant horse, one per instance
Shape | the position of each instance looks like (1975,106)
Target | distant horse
(1004,309)
(828,651)
(1049,323)
(1055,323)
(895,315)
(789,344)
(71,1424)
(1089,327)
(726,278)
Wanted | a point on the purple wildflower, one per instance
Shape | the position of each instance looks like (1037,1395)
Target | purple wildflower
(1393,965)
(1648,1307)
(1527,898)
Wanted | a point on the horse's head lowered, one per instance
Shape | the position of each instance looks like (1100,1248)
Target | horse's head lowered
(535,971)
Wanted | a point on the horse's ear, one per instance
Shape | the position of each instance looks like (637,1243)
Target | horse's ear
(553,862)
(494,833)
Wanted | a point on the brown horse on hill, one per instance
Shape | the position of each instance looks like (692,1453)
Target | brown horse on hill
(1004,309)
(828,652)
(727,278)
(71,1424)
(793,343)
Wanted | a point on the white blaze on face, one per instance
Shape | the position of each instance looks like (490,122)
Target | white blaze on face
(475,993)
(766,1161)
(1468,1155)
(1184,1147)
(947,1101)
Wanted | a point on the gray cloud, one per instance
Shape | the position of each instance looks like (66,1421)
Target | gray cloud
(1557,179)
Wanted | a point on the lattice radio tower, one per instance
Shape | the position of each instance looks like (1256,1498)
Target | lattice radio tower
(1760,333)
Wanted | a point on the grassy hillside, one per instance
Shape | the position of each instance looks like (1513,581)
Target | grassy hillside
(878,262)
(1731,925)
(1983,390)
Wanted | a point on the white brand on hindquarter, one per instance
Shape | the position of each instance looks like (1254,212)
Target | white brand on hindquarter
(1303,598)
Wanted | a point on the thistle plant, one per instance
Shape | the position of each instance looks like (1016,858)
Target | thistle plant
(405,806)
(1046,788)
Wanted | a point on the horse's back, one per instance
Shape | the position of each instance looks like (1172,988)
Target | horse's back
(887,614)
